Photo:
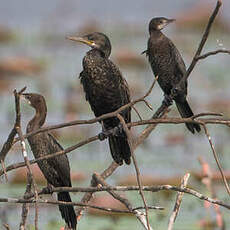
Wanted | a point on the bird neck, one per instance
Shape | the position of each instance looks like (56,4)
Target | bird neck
(37,121)
(97,52)
(156,33)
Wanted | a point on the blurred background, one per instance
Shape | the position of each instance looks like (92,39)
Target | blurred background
(35,53)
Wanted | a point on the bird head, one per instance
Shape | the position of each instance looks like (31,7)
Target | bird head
(95,40)
(159,23)
(36,101)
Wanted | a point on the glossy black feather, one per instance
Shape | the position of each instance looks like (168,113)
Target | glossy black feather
(167,63)
(106,91)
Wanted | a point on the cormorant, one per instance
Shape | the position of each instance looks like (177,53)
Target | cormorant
(105,90)
(167,63)
(56,170)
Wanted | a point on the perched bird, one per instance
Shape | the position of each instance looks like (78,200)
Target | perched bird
(105,90)
(56,170)
(167,63)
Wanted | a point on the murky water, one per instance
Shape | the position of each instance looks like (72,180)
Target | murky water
(40,28)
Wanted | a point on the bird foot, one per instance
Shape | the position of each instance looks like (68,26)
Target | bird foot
(167,100)
(49,188)
(104,134)
(116,131)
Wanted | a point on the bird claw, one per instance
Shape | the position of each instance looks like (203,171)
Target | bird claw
(116,131)
(49,188)
(102,136)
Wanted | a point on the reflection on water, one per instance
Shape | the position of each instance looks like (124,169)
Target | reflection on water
(38,35)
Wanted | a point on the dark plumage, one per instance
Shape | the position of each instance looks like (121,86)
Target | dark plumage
(105,90)
(168,65)
(56,170)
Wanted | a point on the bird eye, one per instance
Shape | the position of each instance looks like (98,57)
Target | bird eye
(175,90)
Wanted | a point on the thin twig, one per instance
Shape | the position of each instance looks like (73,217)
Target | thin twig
(142,137)
(101,181)
(157,188)
(216,159)
(206,114)
(138,114)
(87,197)
(67,150)
(6,226)
(147,104)
(24,152)
(52,202)
(204,39)
(146,132)
(91,121)
(10,140)
(176,208)
(130,141)
(212,53)
(25,208)
(4,170)
(207,180)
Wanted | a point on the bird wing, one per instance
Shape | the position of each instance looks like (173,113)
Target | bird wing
(105,88)
(180,66)
(60,163)
(124,92)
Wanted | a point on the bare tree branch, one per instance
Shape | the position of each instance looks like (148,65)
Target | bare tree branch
(130,142)
(204,38)
(212,53)
(176,208)
(207,181)
(25,208)
(126,188)
(24,152)
(216,159)
(87,197)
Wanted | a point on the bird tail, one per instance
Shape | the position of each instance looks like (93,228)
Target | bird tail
(185,112)
(67,212)
(120,149)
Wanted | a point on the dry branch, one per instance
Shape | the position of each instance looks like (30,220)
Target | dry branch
(212,53)
(207,181)
(176,208)
(216,159)
(24,152)
(138,175)
(25,208)
(158,118)
(127,188)
(87,197)
(204,38)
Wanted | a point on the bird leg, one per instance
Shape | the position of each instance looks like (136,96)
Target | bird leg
(167,100)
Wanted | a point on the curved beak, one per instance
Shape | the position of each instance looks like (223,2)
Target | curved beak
(82,40)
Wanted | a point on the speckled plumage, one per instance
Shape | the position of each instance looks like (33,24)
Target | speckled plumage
(106,91)
(56,170)
(167,63)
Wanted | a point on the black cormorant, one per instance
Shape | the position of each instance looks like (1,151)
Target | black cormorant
(168,65)
(105,90)
(56,170)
